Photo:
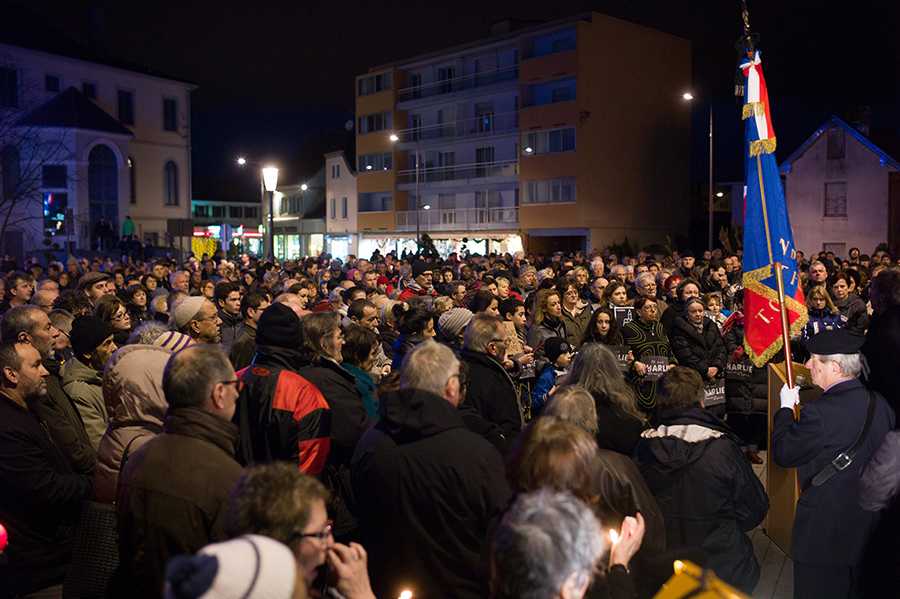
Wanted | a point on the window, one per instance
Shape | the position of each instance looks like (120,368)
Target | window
(171,184)
(549,141)
(374,122)
(89,90)
(561,90)
(550,191)
(484,117)
(9,87)
(335,171)
(251,212)
(484,157)
(333,210)
(836,199)
(51,83)
(170,114)
(373,84)
(344,208)
(836,141)
(55,206)
(445,76)
(375,162)
(201,211)
(376,202)
(415,82)
(10,172)
(551,43)
(132,180)
(54,176)
(218,211)
(126,107)
(235,212)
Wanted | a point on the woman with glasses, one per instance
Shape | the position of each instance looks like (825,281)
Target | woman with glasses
(576,313)
(111,309)
(137,300)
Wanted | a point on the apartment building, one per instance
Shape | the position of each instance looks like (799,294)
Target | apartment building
(569,135)
(87,143)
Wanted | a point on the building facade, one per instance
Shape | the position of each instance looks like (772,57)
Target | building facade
(842,191)
(235,226)
(341,222)
(299,217)
(86,144)
(564,136)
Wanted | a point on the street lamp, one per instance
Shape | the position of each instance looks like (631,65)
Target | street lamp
(304,187)
(241,161)
(270,180)
(689,97)
(394,139)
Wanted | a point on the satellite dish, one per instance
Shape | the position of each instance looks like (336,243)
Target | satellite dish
(349,125)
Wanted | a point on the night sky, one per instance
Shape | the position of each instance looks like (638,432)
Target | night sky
(276,77)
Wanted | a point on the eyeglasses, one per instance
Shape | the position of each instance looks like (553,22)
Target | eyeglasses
(120,316)
(238,384)
(322,535)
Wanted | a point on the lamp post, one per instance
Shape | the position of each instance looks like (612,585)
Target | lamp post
(689,97)
(394,139)
(270,180)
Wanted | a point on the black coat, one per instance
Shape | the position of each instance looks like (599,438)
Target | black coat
(491,407)
(747,391)
(616,430)
(707,491)
(695,350)
(427,489)
(830,527)
(854,309)
(882,348)
(40,497)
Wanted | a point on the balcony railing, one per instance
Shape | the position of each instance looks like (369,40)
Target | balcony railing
(459,219)
(460,172)
(455,84)
(476,126)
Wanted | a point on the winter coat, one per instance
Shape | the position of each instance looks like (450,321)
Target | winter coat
(881,348)
(491,407)
(698,351)
(427,489)
(707,491)
(856,313)
(172,496)
(281,415)
(539,333)
(230,329)
(39,502)
(133,390)
(402,346)
(575,325)
(60,415)
(822,320)
(366,387)
(546,380)
(646,339)
(830,527)
(84,385)
(746,389)
(878,492)
(243,348)
(616,430)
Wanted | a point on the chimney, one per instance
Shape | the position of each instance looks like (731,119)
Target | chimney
(861,119)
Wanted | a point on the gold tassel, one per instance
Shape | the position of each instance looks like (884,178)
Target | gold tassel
(762,146)
(753,109)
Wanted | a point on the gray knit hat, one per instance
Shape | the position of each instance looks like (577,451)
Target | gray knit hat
(454,321)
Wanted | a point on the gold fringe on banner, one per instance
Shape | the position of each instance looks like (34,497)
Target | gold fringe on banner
(753,109)
(762,146)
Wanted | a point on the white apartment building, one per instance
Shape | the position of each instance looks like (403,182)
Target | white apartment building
(82,143)
(341,232)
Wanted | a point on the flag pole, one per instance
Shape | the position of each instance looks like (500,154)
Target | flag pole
(785,327)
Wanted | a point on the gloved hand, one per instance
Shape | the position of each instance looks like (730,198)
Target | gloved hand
(790,396)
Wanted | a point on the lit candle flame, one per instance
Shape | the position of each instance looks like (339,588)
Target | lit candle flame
(613,536)
(407,594)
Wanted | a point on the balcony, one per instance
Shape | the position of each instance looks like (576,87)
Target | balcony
(484,125)
(458,84)
(460,173)
(459,219)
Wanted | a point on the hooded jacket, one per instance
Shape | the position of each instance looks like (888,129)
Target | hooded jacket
(172,496)
(707,491)
(85,386)
(427,489)
(132,388)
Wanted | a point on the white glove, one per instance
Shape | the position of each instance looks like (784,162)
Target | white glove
(790,396)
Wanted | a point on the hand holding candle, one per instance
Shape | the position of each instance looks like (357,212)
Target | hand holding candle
(626,541)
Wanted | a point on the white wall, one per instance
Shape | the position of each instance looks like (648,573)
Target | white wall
(867,198)
(336,189)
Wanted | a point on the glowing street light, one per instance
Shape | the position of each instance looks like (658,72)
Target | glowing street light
(394,137)
(687,96)
(304,187)
(426,207)
(241,161)
(270,181)
(529,150)
(720,194)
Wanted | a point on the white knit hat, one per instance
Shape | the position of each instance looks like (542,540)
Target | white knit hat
(187,309)
(249,567)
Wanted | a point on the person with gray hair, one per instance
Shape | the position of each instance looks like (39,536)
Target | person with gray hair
(574,404)
(546,546)
(147,333)
(173,491)
(492,408)
(421,471)
(830,445)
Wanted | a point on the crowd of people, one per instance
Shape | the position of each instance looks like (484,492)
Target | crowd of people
(504,426)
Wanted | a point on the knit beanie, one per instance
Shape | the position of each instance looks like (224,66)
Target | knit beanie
(418,267)
(88,332)
(186,310)
(554,347)
(248,567)
(279,327)
(172,341)
(453,321)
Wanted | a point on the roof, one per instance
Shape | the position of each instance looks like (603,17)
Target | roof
(835,121)
(340,154)
(72,110)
